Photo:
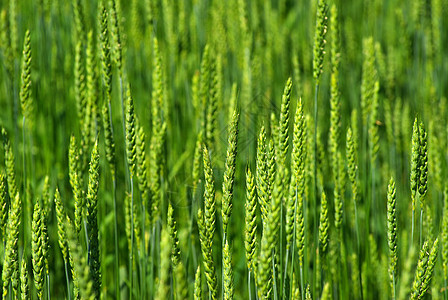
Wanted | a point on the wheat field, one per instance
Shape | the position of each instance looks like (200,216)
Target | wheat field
(205,149)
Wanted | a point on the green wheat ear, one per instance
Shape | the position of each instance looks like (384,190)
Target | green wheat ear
(89,130)
(209,196)
(369,79)
(117,46)
(142,169)
(264,271)
(159,127)
(392,234)
(228,273)
(78,10)
(308,293)
(352,162)
(24,288)
(415,162)
(373,127)
(272,168)
(46,203)
(5,41)
(250,236)
(11,261)
(423,163)
(298,184)
(175,254)
(4,206)
(37,246)
(324,226)
(106,66)
(10,166)
(25,87)
(319,39)
(80,83)
(198,284)
(197,158)
(212,105)
(262,175)
(326,292)
(109,139)
(92,221)
(269,240)
(127,219)
(283,140)
(75,182)
(204,89)
(338,193)
(130,133)
(61,220)
(206,249)
(229,173)
(206,225)
(425,269)
(178,267)
(444,235)
(335,103)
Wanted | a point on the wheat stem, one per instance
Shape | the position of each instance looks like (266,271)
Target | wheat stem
(131,257)
(421,226)
(117,263)
(67,280)
(248,285)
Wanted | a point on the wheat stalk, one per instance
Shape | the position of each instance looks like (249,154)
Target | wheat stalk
(62,234)
(80,267)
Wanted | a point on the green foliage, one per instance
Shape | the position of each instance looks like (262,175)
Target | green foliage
(205,92)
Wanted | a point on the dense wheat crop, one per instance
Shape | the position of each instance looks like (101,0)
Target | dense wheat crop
(238,149)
